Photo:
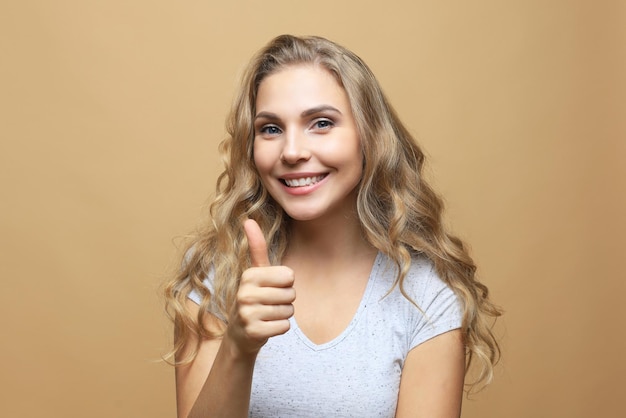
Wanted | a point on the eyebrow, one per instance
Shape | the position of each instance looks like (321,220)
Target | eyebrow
(308,112)
(319,109)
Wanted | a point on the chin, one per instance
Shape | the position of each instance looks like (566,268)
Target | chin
(303,213)
(302,217)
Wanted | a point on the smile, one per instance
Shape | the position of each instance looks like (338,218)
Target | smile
(304,181)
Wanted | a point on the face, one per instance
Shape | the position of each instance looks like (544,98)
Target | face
(306,146)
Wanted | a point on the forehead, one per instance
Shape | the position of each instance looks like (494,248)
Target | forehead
(298,88)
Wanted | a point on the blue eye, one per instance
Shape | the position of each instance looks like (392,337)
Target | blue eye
(323,124)
(270,130)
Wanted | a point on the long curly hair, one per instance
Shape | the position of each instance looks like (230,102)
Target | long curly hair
(399,212)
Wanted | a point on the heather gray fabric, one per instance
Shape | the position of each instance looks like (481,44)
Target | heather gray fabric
(358,373)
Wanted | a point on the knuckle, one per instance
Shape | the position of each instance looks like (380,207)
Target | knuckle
(247,277)
(246,300)
(244,297)
(246,313)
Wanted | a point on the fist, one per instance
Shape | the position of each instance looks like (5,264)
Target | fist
(264,301)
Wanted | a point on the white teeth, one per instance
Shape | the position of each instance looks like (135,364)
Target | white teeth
(305,181)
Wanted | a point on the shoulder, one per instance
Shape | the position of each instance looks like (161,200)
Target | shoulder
(428,305)
(196,294)
(422,282)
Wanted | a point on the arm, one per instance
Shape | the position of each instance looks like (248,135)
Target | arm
(218,382)
(432,378)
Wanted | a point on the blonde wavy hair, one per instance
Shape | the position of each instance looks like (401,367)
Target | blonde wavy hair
(399,212)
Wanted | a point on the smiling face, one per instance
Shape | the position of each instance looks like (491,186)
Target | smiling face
(306,146)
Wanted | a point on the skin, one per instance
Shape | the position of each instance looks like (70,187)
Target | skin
(304,128)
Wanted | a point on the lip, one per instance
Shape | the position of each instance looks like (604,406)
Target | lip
(302,190)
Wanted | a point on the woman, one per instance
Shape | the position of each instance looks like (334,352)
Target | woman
(323,197)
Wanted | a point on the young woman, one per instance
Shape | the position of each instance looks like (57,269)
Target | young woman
(325,283)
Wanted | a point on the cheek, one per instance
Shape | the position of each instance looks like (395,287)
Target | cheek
(359,160)
(262,159)
(346,152)
(257,156)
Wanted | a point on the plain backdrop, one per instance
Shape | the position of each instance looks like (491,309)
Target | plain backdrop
(110,116)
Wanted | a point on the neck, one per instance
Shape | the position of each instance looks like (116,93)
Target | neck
(328,240)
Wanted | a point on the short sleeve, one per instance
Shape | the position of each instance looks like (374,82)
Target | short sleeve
(195,296)
(208,283)
(442,310)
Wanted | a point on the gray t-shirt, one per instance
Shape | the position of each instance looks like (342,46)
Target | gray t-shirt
(358,373)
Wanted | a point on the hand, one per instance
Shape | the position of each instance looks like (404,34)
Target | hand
(264,301)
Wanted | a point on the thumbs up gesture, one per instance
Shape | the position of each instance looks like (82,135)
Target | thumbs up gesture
(264,300)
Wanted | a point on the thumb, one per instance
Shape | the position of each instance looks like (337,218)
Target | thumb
(256,243)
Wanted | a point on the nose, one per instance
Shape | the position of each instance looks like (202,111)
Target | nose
(295,148)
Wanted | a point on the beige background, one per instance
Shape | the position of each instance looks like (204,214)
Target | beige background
(109,120)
